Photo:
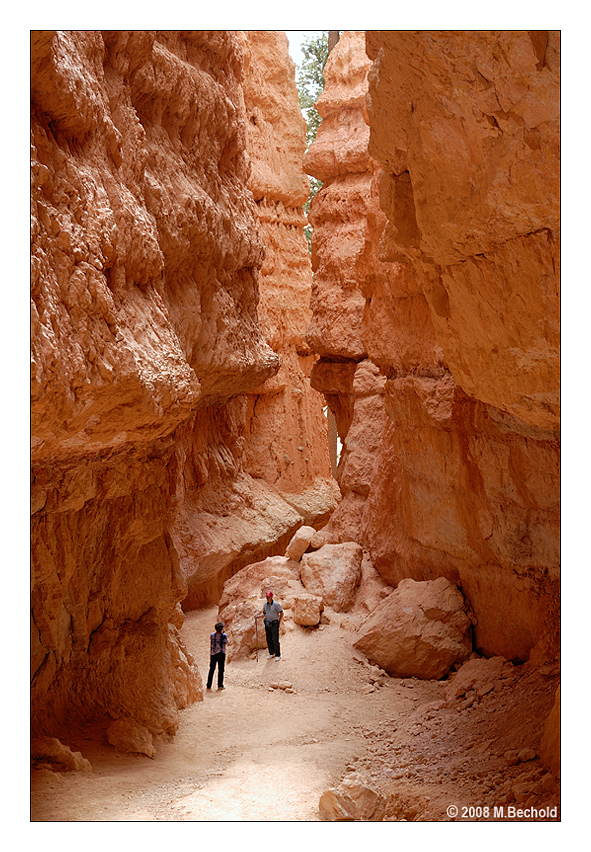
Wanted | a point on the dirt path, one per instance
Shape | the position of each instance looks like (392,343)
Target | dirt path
(252,753)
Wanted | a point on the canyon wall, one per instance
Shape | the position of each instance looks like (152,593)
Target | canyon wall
(272,472)
(450,302)
(155,474)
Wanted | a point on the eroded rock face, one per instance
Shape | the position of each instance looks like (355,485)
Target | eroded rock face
(141,244)
(470,185)
(344,214)
(149,359)
(143,238)
(464,481)
(287,430)
(550,743)
(267,470)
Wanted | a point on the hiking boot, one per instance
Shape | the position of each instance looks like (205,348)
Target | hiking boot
(277,658)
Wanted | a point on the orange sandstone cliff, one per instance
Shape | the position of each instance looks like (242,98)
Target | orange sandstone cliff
(154,471)
(272,472)
(449,302)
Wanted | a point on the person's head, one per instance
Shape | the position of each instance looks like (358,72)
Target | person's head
(269,596)
(219,626)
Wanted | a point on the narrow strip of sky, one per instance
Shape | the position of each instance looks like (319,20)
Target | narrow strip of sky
(295,38)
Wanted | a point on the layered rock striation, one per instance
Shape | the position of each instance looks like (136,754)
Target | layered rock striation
(456,311)
(345,259)
(149,361)
(288,436)
(271,469)
(466,128)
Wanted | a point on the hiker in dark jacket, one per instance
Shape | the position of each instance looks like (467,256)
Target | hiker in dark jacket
(217,655)
(272,613)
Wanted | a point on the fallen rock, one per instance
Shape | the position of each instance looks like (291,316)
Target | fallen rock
(283,684)
(420,630)
(352,800)
(521,790)
(477,674)
(300,543)
(278,573)
(244,633)
(333,573)
(526,754)
(307,610)
(51,752)
(243,597)
(369,593)
(468,701)
(128,736)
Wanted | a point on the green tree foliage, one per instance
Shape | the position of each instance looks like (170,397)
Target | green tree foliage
(310,83)
(310,79)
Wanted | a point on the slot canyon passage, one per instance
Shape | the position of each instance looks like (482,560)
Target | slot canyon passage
(371,430)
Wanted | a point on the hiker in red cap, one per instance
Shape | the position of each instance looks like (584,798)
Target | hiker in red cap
(273,614)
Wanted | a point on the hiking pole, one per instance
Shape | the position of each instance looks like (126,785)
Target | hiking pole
(256,630)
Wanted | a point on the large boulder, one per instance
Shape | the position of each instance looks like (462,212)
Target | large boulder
(333,573)
(307,609)
(243,597)
(420,630)
(128,736)
(300,543)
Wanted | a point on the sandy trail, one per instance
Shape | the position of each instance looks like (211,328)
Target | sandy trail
(252,753)
(244,753)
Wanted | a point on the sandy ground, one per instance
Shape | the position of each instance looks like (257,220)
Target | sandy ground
(253,753)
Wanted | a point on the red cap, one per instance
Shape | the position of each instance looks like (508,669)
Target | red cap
(269,594)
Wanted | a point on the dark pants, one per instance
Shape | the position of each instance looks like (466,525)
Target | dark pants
(272,634)
(219,660)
